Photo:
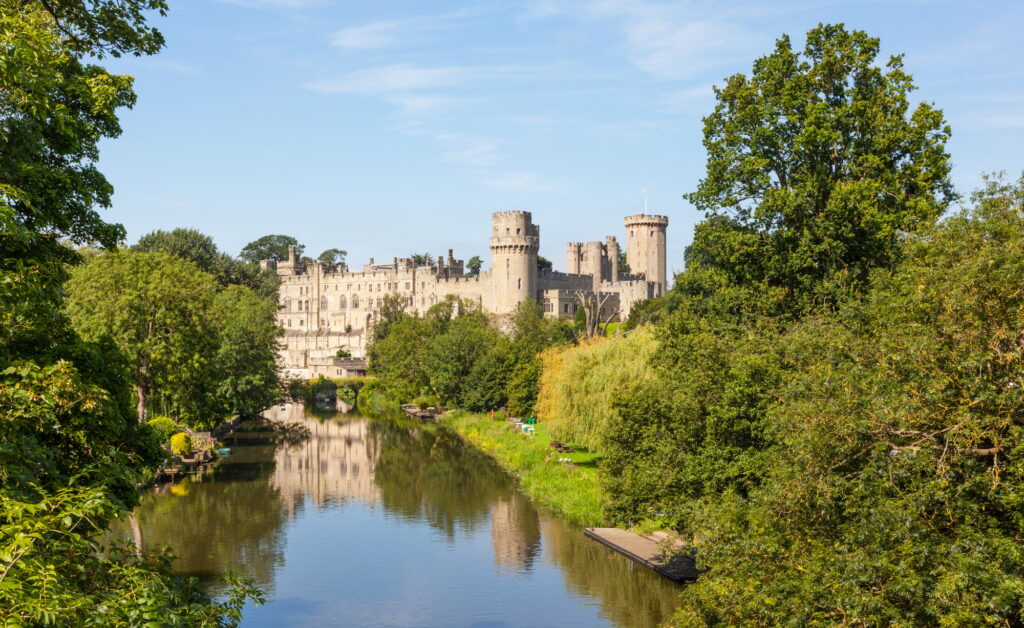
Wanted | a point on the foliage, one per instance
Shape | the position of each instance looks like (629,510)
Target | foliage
(332,258)
(163,428)
(181,444)
(245,362)
(543,264)
(195,247)
(421,259)
(154,306)
(342,353)
(270,247)
(71,448)
(579,383)
(450,356)
(54,574)
(473,265)
(891,464)
(816,169)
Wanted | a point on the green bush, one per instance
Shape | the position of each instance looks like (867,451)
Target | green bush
(163,428)
(181,444)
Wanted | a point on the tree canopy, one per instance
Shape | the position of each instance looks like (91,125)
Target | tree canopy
(270,247)
(820,166)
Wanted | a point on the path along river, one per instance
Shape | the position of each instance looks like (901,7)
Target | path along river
(387,522)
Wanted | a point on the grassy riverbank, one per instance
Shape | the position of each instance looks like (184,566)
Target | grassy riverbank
(569,490)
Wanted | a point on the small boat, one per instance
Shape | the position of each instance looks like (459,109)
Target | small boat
(224,451)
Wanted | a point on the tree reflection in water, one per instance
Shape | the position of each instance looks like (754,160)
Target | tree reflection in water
(234,520)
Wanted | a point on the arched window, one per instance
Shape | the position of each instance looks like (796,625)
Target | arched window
(300,305)
(355,301)
(323,304)
(307,305)
(341,303)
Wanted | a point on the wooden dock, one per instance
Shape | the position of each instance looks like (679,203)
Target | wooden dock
(645,550)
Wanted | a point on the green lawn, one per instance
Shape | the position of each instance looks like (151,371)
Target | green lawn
(570,490)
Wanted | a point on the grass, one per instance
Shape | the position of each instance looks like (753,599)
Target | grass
(571,491)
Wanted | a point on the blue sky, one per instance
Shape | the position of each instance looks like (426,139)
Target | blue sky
(391,127)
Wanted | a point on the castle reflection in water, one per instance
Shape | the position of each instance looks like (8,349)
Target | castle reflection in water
(338,461)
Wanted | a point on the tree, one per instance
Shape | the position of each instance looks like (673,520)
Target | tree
(187,244)
(332,257)
(543,264)
(155,308)
(421,259)
(270,247)
(821,168)
(892,490)
(72,452)
(246,359)
(473,266)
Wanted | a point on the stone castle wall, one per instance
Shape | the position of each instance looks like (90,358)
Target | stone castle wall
(323,309)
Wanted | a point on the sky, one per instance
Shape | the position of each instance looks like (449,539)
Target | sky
(389,127)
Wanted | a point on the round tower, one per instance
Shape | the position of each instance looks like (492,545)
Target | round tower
(645,248)
(514,242)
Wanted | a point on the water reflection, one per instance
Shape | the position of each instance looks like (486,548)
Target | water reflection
(392,523)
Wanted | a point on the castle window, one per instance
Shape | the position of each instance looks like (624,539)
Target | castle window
(323,304)
(518,230)
(519,283)
(289,322)
(341,302)
(301,323)
(566,306)
(300,305)
(407,285)
(355,301)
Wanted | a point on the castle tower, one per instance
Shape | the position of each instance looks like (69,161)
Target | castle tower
(611,247)
(645,248)
(514,242)
(291,266)
(573,253)
(593,255)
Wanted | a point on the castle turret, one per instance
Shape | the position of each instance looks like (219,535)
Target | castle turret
(611,248)
(593,255)
(291,265)
(514,242)
(645,248)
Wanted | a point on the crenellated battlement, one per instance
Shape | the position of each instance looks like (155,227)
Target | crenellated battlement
(326,308)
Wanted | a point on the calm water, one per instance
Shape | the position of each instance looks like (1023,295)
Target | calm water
(386,522)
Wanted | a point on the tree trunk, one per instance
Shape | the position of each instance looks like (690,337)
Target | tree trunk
(140,391)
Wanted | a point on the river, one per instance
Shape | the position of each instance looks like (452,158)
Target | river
(389,522)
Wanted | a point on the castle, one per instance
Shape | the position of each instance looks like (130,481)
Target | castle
(324,309)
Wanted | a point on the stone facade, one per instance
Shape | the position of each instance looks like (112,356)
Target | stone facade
(324,309)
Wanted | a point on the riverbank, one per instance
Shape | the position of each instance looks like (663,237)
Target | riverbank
(571,491)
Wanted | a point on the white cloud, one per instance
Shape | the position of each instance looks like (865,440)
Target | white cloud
(373,35)
(1004,121)
(516,182)
(468,151)
(274,4)
(392,78)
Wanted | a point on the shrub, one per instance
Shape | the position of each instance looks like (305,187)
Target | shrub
(342,353)
(163,428)
(181,444)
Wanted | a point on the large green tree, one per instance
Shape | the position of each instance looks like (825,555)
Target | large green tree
(821,166)
(245,364)
(270,247)
(71,450)
(154,306)
(892,478)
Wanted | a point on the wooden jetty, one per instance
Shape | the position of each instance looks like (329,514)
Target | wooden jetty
(415,412)
(647,551)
